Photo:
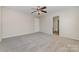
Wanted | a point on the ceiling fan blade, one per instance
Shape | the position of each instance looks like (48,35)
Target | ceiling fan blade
(44,11)
(43,7)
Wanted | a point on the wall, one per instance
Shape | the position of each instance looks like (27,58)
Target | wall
(17,23)
(69,21)
(46,24)
(0,23)
(36,24)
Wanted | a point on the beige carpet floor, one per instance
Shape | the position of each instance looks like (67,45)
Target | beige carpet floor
(62,44)
(39,42)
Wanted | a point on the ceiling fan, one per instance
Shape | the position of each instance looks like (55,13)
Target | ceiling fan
(40,10)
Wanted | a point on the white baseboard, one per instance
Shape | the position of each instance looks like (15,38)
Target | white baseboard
(4,37)
(71,37)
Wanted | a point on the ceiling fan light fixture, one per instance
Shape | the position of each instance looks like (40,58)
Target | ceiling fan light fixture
(40,10)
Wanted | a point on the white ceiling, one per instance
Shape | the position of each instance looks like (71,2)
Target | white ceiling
(29,9)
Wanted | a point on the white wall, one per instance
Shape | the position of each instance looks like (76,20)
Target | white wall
(46,24)
(0,23)
(17,23)
(69,23)
(36,24)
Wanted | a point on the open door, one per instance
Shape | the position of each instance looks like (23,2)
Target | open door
(56,25)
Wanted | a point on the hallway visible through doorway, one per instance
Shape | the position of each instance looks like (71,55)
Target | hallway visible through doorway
(56,25)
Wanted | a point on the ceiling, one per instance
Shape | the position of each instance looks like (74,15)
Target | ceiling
(29,9)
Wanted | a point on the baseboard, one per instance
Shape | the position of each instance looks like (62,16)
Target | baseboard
(17,35)
(70,37)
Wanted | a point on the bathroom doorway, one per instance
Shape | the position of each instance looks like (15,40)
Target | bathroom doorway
(56,25)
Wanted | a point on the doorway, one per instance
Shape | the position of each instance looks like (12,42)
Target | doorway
(56,25)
